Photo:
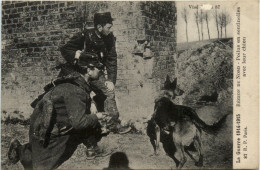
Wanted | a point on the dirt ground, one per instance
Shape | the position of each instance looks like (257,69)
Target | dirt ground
(217,149)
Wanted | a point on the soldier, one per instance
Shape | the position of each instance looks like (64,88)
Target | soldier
(61,119)
(99,41)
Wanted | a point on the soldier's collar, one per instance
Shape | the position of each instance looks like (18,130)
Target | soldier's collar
(82,83)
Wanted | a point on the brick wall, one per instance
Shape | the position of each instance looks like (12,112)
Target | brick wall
(33,31)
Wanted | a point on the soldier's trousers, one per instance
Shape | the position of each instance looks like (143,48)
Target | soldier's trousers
(105,99)
(60,148)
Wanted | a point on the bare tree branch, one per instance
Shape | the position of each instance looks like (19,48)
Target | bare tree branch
(184,14)
(226,21)
(207,18)
(221,18)
(215,14)
(196,15)
(201,16)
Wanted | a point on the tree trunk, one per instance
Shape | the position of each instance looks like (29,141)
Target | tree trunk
(201,29)
(201,24)
(225,31)
(217,27)
(187,32)
(198,30)
(216,19)
(220,31)
(208,28)
(217,30)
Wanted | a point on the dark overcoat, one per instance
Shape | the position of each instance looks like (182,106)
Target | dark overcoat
(89,41)
(69,123)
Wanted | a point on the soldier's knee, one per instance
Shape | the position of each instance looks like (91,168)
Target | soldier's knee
(110,94)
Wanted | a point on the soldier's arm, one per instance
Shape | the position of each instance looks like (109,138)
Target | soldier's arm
(68,51)
(111,58)
(76,106)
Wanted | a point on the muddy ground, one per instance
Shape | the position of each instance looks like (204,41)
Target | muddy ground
(217,149)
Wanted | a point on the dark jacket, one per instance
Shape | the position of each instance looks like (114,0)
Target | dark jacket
(93,44)
(64,108)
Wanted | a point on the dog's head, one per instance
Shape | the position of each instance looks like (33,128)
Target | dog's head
(171,90)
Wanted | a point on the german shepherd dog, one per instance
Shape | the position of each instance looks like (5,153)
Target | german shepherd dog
(179,124)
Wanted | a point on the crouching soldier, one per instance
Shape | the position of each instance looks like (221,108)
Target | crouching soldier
(61,120)
(99,41)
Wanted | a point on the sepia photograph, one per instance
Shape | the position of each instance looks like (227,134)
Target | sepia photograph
(123,84)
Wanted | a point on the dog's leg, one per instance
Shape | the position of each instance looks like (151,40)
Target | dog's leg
(190,155)
(180,149)
(157,131)
(153,144)
(183,159)
(197,144)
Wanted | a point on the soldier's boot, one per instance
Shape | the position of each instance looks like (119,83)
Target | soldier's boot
(93,152)
(13,151)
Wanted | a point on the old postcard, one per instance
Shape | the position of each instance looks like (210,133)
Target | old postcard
(130,84)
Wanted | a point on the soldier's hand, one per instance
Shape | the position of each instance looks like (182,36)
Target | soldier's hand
(92,95)
(103,119)
(93,108)
(110,85)
(100,115)
(78,53)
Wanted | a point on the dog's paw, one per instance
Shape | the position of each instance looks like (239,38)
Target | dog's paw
(199,164)
(151,155)
(156,153)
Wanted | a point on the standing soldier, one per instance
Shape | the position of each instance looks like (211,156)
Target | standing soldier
(98,41)
(61,120)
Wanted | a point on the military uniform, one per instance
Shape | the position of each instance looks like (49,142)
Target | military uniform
(55,135)
(104,47)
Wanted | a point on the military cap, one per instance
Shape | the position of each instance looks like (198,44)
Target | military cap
(102,18)
(89,60)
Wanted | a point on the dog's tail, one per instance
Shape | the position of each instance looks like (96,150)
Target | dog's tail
(212,129)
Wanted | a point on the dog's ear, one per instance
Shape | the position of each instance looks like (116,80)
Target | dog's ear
(167,83)
(168,79)
(174,84)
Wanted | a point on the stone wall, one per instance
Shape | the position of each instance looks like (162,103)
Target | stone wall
(32,33)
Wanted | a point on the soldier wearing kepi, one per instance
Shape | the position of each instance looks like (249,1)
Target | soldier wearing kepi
(61,119)
(98,41)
